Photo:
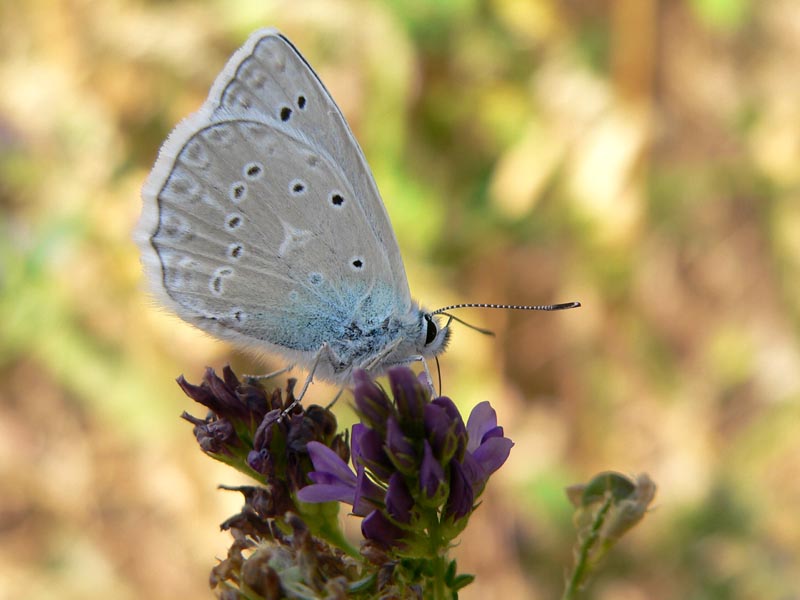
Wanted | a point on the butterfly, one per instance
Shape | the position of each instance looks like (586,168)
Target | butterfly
(262,225)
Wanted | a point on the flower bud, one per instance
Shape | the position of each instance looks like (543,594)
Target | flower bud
(381,530)
(367,448)
(460,429)
(409,395)
(431,477)
(399,449)
(372,403)
(399,501)
(460,498)
(440,429)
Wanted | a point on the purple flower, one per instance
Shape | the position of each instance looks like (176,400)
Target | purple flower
(215,436)
(410,395)
(368,496)
(437,426)
(314,423)
(441,427)
(461,496)
(367,450)
(372,403)
(399,448)
(334,481)
(415,463)
(378,528)
(459,429)
(487,448)
(230,399)
(431,473)
(259,461)
(399,500)
(269,426)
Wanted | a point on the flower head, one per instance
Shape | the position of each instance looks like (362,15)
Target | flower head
(412,469)
(415,463)
(249,429)
(487,447)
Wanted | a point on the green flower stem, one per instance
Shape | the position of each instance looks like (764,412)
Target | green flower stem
(583,564)
(437,558)
(334,535)
(323,520)
(439,586)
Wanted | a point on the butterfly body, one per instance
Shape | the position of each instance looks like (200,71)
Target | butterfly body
(262,225)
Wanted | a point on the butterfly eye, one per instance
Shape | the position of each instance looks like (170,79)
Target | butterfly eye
(432,330)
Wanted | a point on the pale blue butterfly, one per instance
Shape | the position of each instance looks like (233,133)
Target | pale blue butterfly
(262,225)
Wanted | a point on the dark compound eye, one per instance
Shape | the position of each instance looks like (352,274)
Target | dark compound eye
(432,330)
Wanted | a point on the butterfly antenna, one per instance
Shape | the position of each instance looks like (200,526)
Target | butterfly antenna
(562,306)
(463,322)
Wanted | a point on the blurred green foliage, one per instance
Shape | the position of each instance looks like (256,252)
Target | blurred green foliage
(638,155)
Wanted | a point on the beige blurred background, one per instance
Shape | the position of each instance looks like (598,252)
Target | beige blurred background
(641,156)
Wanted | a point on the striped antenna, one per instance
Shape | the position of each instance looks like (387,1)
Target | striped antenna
(562,306)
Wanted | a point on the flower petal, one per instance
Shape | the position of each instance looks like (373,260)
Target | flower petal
(268,427)
(482,419)
(431,474)
(368,496)
(372,403)
(333,479)
(378,528)
(327,461)
(459,501)
(399,501)
(409,394)
(460,429)
(323,492)
(367,451)
(437,427)
(399,448)
(492,454)
(446,432)
(494,432)
(260,461)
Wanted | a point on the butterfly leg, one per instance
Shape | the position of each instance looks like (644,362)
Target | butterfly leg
(384,353)
(324,351)
(428,376)
(418,358)
(335,398)
(268,375)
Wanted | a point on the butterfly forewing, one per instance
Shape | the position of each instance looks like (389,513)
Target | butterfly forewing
(269,76)
(262,222)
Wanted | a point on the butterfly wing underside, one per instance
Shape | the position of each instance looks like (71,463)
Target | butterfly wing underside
(262,222)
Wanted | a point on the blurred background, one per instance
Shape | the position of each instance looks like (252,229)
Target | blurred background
(640,156)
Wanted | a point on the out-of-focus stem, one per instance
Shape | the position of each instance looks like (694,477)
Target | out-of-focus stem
(582,565)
